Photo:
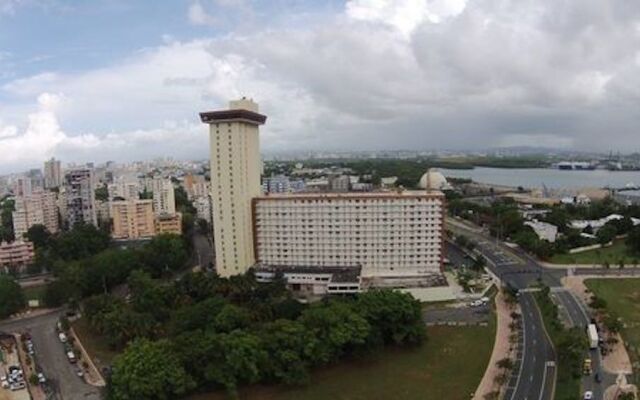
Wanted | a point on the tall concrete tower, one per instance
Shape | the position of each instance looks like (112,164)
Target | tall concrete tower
(235,180)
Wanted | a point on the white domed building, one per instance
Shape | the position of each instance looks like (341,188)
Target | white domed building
(433,180)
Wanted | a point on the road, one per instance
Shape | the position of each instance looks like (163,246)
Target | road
(535,366)
(51,357)
(518,269)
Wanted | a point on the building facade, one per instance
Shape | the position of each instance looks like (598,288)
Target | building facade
(390,234)
(132,219)
(235,181)
(39,208)
(164,200)
(79,192)
(167,223)
(15,256)
(52,173)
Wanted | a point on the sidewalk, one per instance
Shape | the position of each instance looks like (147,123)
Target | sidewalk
(501,349)
(92,375)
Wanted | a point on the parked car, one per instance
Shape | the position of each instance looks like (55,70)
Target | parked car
(41,378)
(79,372)
(62,337)
(588,395)
(4,382)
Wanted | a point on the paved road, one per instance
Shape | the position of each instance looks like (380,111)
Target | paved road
(51,357)
(535,377)
(518,269)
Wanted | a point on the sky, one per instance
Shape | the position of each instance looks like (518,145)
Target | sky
(125,80)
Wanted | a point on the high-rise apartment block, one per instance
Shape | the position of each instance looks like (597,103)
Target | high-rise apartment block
(389,234)
(79,194)
(132,219)
(52,173)
(39,208)
(235,180)
(164,201)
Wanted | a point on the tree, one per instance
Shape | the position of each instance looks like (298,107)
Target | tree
(102,193)
(394,317)
(288,345)
(163,254)
(38,235)
(11,296)
(633,240)
(148,370)
(338,328)
(606,234)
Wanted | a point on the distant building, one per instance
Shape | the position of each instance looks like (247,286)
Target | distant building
(132,219)
(167,223)
(388,234)
(544,230)
(15,256)
(52,174)
(121,188)
(164,201)
(79,193)
(433,180)
(203,207)
(388,181)
(282,184)
(339,183)
(22,186)
(39,208)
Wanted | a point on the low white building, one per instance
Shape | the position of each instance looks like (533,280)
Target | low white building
(544,230)
(316,281)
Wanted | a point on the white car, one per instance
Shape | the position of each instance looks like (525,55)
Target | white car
(588,395)
(4,382)
(41,378)
(62,337)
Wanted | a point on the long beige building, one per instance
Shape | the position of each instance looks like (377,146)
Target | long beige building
(235,181)
(15,256)
(132,219)
(39,208)
(389,234)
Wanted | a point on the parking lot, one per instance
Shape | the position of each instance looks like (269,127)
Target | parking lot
(50,355)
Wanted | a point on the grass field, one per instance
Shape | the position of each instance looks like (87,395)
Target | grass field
(448,366)
(623,297)
(612,254)
(94,343)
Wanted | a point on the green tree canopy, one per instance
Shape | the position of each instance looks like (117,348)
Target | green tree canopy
(11,296)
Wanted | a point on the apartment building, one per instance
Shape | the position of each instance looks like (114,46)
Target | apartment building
(203,207)
(167,223)
(164,201)
(16,256)
(390,234)
(39,208)
(79,193)
(52,173)
(132,219)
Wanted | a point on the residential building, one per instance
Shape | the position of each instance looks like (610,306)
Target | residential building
(339,183)
(15,256)
(282,184)
(164,201)
(203,207)
(127,190)
(132,219)
(196,186)
(79,192)
(39,208)
(235,180)
(22,186)
(52,174)
(389,234)
(167,223)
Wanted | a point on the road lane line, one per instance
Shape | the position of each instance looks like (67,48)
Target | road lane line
(524,349)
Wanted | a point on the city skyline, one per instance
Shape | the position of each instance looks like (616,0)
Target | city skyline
(553,75)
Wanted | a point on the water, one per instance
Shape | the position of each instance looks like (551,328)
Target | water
(551,178)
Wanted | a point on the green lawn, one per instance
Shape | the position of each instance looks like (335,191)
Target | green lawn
(612,254)
(94,343)
(622,297)
(448,366)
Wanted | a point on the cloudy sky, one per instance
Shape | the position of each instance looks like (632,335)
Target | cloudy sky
(124,80)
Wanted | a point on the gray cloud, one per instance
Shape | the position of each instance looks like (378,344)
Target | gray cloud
(383,75)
